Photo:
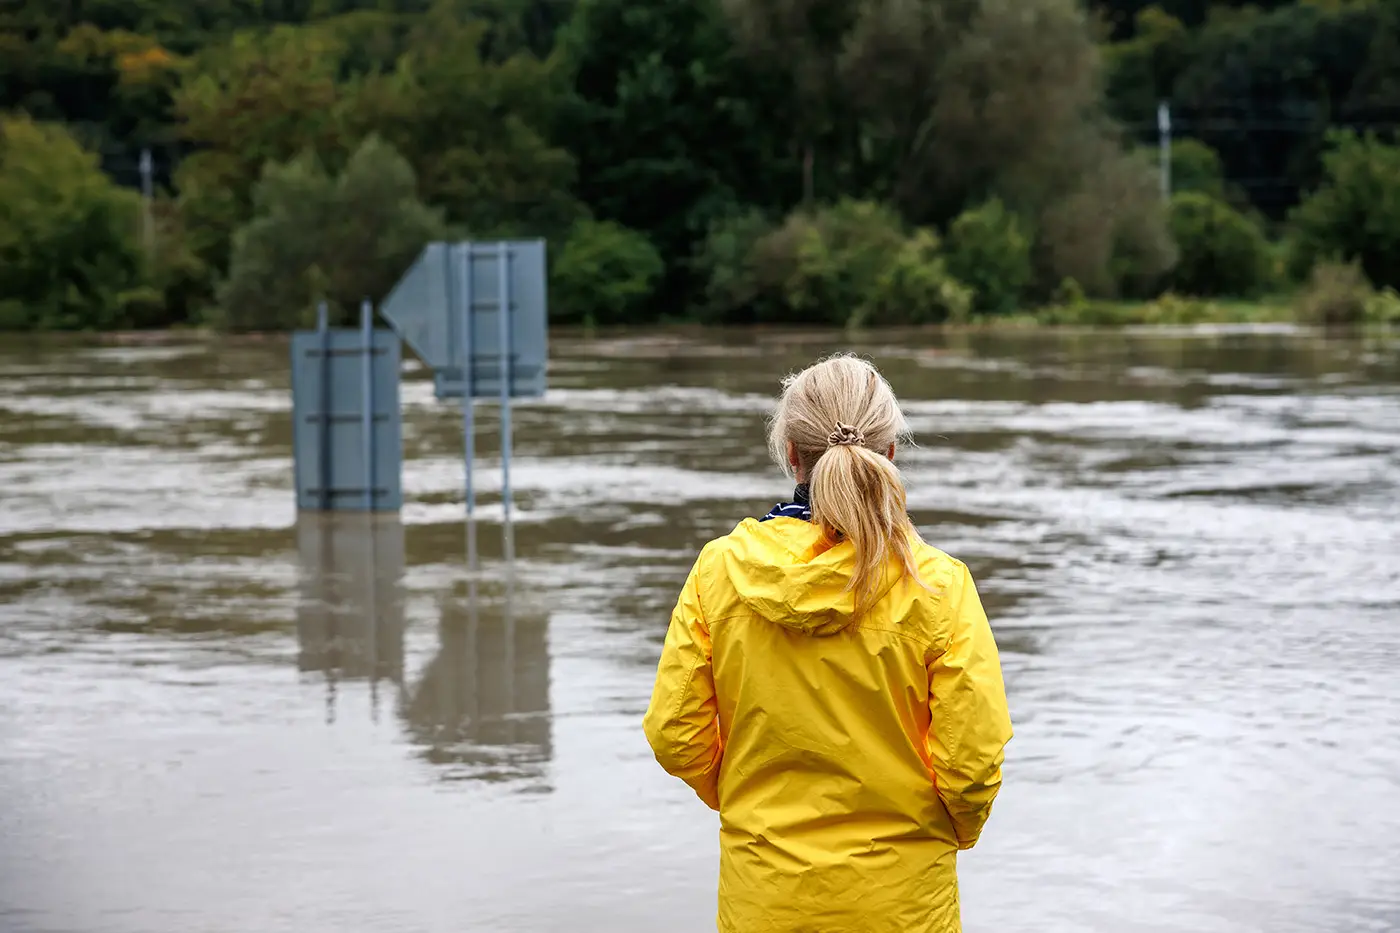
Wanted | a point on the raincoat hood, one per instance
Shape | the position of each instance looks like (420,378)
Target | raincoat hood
(787,572)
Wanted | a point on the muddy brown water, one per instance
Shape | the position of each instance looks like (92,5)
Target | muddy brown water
(215,717)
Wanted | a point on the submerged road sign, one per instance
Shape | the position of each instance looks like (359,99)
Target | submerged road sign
(477,314)
(347,446)
(449,308)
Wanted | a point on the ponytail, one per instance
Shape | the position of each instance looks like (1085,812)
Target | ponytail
(840,420)
(857,496)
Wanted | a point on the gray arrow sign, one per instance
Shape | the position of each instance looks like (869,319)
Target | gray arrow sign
(425,309)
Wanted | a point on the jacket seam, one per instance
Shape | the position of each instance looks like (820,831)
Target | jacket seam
(690,675)
(922,643)
(685,690)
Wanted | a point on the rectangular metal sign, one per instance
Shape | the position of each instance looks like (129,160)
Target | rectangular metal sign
(347,434)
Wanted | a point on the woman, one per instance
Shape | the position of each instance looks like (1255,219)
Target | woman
(830,685)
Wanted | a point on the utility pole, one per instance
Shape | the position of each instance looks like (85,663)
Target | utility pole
(1164,141)
(148,231)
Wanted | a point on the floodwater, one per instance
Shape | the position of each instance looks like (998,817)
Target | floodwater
(215,717)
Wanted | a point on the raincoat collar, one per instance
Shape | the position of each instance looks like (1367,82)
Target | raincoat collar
(800,507)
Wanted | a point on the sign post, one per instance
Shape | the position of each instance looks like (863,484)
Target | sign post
(462,268)
(505,311)
(476,314)
(1164,144)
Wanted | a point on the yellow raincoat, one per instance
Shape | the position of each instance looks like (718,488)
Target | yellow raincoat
(849,760)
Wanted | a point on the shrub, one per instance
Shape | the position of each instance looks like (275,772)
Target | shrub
(604,274)
(725,262)
(1336,294)
(1221,252)
(1069,294)
(315,237)
(1109,231)
(819,266)
(850,263)
(70,257)
(1197,167)
(837,256)
(1355,214)
(988,251)
(176,271)
(916,288)
(1174,309)
(1384,307)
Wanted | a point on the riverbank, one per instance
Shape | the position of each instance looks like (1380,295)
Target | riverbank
(1166,311)
(1171,310)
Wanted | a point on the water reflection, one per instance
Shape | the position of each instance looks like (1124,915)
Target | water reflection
(350,618)
(480,708)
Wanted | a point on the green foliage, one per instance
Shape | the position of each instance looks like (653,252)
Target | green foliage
(1141,65)
(726,263)
(472,130)
(1165,310)
(314,237)
(1261,83)
(1177,310)
(180,277)
(1222,252)
(1355,214)
(1384,307)
(1068,304)
(1109,233)
(475,131)
(915,288)
(848,264)
(70,257)
(672,130)
(604,275)
(1336,294)
(259,98)
(935,107)
(988,251)
(1196,167)
(693,123)
(826,262)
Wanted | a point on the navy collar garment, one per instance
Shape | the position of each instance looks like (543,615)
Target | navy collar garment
(799,507)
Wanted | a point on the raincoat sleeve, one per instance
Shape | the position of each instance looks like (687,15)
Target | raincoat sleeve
(682,723)
(970,724)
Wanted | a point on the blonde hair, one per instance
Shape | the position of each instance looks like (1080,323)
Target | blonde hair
(843,419)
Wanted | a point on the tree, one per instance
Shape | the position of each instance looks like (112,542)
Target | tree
(950,102)
(260,98)
(989,251)
(1355,213)
(604,275)
(476,132)
(318,237)
(1196,167)
(1139,70)
(1107,229)
(807,37)
(672,130)
(69,254)
(849,264)
(1222,251)
(1260,84)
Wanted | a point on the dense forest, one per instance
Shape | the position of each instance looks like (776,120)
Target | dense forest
(728,161)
